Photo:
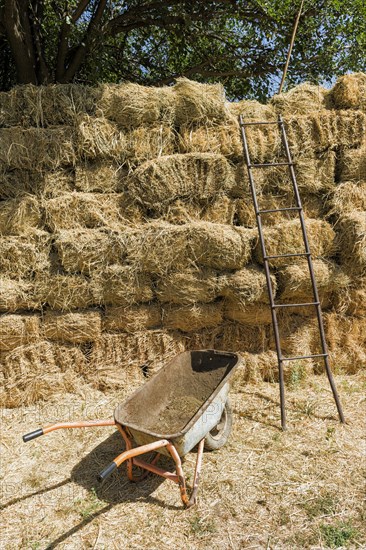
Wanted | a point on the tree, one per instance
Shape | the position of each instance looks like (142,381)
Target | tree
(242,43)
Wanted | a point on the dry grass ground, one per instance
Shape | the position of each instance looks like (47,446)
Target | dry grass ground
(265,489)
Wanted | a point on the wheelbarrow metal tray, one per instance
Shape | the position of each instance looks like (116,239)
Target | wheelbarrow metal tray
(182,402)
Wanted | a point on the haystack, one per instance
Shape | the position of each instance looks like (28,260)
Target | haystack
(64,292)
(301,100)
(16,295)
(37,148)
(75,328)
(47,105)
(40,371)
(352,164)
(19,216)
(132,105)
(188,286)
(199,103)
(132,319)
(286,238)
(24,256)
(351,239)
(348,197)
(349,92)
(245,286)
(252,110)
(84,250)
(85,210)
(18,330)
(118,285)
(191,318)
(99,177)
(196,177)
(251,314)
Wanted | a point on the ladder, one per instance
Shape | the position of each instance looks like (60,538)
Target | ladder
(266,258)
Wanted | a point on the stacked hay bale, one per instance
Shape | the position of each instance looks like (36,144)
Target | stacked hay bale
(127,231)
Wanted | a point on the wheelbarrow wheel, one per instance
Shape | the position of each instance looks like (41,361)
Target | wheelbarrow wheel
(218,436)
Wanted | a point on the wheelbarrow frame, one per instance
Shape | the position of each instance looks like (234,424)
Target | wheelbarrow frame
(175,445)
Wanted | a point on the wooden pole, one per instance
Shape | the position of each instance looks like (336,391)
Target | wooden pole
(291,46)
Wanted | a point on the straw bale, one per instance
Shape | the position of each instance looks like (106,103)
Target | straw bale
(252,314)
(192,317)
(187,286)
(237,338)
(118,285)
(50,105)
(347,198)
(349,361)
(16,295)
(352,164)
(193,176)
(20,215)
(256,367)
(132,318)
(98,138)
(295,283)
(263,141)
(39,371)
(117,359)
(75,328)
(286,238)
(85,210)
(253,110)
(299,335)
(219,210)
(84,250)
(149,142)
(352,301)
(64,292)
(325,130)
(349,92)
(301,100)
(199,103)
(245,286)
(40,148)
(132,105)
(351,239)
(99,177)
(17,330)
(220,246)
(25,255)
(17,183)
(346,338)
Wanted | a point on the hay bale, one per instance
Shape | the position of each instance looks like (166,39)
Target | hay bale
(18,330)
(25,255)
(118,285)
(85,250)
(255,367)
(74,328)
(351,240)
(263,141)
(192,317)
(301,100)
(299,335)
(187,286)
(251,314)
(346,338)
(237,338)
(49,105)
(252,110)
(37,148)
(149,142)
(348,197)
(84,210)
(245,286)
(324,130)
(16,295)
(99,177)
(349,92)
(65,292)
(349,361)
(117,359)
(286,238)
(132,105)
(199,103)
(98,138)
(295,284)
(352,164)
(132,319)
(220,246)
(40,371)
(196,177)
(20,215)
(352,301)
(15,183)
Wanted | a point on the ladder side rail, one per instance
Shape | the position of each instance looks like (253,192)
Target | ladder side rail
(312,274)
(267,273)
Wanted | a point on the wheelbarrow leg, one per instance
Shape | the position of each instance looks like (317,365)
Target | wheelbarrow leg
(128,441)
(188,502)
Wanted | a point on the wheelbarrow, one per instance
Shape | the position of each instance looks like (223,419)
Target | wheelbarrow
(183,405)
